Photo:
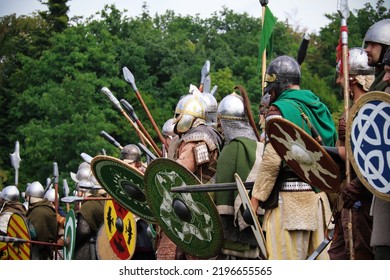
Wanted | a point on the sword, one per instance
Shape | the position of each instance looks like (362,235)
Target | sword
(322,246)
(15,161)
(211,187)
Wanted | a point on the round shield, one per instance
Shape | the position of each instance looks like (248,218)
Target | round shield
(121,229)
(190,220)
(69,235)
(368,142)
(103,247)
(17,227)
(124,183)
(256,228)
(305,156)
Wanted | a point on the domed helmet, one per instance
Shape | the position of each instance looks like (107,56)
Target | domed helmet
(211,108)
(189,108)
(357,63)
(234,119)
(379,33)
(168,128)
(83,172)
(35,192)
(131,153)
(10,193)
(282,72)
(50,195)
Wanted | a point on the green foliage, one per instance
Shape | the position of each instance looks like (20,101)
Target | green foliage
(51,82)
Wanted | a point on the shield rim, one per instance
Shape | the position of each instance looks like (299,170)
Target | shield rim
(367,97)
(71,218)
(134,228)
(205,253)
(27,244)
(147,217)
(256,228)
(330,162)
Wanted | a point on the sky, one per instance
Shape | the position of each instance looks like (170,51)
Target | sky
(305,15)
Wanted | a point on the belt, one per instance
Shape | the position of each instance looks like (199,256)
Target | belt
(295,187)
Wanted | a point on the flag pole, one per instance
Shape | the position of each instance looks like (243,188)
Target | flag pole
(263,4)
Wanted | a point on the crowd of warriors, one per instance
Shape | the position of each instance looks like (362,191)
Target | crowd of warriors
(215,141)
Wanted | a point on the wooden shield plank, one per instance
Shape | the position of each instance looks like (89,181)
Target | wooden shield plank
(121,229)
(256,228)
(69,235)
(17,227)
(103,247)
(305,156)
(368,142)
(124,183)
(190,220)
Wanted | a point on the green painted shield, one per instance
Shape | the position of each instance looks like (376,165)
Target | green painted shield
(190,220)
(124,183)
(69,235)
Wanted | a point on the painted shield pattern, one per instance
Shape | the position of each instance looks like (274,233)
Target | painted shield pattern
(17,227)
(190,220)
(121,229)
(124,183)
(69,235)
(304,155)
(368,142)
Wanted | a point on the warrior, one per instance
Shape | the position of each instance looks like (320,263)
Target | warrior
(144,249)
(241,154)
(9,204)
(296,222)
(197,148)
(42,219)
(90,215)
(361,76)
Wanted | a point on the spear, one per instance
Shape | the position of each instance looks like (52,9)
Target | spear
(110,139)
(15,161)
(210,187)
(263,4)
(135,119)
(66,192)
(203,74)
(116,103)
(343,10)
(130,79)
(71,199)
(8,239)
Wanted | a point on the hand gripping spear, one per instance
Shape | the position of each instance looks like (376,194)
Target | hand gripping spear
(116,103)
(343,10)
(15,160)
(130,79)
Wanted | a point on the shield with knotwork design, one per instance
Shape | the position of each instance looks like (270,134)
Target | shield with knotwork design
(69,235)
(124,183)
(256,228)
(17,227)
(368,142)
(121,230)
(190,220)
(305,156)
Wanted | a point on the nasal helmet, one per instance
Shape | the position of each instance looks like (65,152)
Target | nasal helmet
(189,108)
(131,153)
(282,72)
(232,107)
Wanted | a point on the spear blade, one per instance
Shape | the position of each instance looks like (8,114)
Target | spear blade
(15,161)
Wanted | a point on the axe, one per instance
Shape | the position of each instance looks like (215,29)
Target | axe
(15,161)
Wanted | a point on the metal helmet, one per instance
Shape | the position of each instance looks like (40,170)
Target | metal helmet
(379,33)
(35,189)
(10,193)
(358,63)
(50,195)
(282,72)
(232,107)
(189,108)
(211,108)
(168,128)
(131,153)
(83,172)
